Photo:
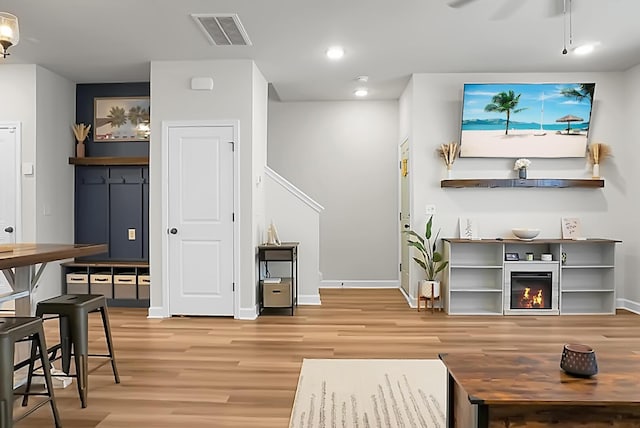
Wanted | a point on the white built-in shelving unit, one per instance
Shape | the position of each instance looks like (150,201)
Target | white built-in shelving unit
(474,279)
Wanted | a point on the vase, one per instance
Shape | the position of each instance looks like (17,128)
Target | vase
(80,149)
(522,173)
(596,171)
(449,175)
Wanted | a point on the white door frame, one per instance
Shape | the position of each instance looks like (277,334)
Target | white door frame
(17,226)
(18,201)
(165,205)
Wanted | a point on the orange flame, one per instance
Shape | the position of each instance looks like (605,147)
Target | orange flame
(531,301)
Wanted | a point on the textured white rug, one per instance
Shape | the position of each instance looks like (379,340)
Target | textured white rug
(370,393)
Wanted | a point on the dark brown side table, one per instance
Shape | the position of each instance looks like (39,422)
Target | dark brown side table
(500,390)
(284,293)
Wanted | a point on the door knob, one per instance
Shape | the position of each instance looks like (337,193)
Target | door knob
(173,231)
(8,229)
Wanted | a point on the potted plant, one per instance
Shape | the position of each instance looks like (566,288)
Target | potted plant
(430,260)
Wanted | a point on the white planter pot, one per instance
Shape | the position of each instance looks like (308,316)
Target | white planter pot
(596,171)
(425,287)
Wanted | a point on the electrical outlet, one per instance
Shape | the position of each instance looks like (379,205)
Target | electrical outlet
(431,209)
(132,234)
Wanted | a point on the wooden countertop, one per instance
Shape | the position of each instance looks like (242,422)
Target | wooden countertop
(26,254)
(532,379)
(533,241)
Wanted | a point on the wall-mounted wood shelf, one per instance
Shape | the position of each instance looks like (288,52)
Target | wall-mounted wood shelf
(527,182)
(109,160)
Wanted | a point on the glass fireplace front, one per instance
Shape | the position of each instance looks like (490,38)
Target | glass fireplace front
(531,290)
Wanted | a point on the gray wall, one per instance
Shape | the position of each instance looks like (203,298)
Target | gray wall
(344,155)
(239,93)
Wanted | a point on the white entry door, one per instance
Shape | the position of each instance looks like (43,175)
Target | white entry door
(200,220)
(9,201)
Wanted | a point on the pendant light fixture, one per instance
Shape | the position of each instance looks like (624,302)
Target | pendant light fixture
(9,32)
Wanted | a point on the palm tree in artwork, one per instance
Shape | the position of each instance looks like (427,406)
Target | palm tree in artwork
(584,91)
(117,116)
(505,102)
(137,115)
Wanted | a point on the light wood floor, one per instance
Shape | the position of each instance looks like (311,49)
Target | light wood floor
(219,372)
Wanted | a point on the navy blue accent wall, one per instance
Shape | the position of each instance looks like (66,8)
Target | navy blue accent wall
(85,93)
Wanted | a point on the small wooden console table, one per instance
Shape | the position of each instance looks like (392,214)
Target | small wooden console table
(531,390)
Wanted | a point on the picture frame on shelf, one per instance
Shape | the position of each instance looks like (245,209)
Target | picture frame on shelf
(512,257)
(121,119)
(571,228)
(468,228)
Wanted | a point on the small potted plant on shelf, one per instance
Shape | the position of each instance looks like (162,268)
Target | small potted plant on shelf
(430,260)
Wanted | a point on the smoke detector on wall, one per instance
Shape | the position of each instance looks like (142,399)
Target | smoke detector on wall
(222,29)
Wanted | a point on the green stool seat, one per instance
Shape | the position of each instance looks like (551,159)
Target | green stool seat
(74,310)
(13,330)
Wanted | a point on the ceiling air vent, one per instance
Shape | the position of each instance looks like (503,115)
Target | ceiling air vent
(223,29)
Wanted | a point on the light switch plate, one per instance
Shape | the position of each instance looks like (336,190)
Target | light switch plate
(132,234)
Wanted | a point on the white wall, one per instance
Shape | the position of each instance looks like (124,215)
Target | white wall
(435,119)
(630,175)
(44,104)
(297,219)
(55,113)
(344,155)
(237,95)
(18,89)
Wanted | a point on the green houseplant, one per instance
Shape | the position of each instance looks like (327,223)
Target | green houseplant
(430,260)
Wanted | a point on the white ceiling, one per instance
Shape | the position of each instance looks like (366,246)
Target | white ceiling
(114,41)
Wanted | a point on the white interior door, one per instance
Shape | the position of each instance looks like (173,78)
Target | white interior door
(9,201)
(200,220)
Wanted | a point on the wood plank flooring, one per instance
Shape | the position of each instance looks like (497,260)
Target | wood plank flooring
(218,372)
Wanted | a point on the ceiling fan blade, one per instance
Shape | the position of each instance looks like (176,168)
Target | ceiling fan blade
(459,3)
(556,8)
(507,9)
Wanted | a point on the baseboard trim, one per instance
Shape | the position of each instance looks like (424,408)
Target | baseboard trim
(359,284)
(309,299)
(248,314)
(157,312)
(411,301)
(629,305)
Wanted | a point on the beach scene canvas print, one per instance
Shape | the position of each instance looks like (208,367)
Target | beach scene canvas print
(534,120)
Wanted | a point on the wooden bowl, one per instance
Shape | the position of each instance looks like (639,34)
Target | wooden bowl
(579,360)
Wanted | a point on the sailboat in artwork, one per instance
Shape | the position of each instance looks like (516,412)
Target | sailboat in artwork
(541,132)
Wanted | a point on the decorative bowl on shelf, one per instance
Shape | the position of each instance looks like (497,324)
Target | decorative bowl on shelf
(525,234)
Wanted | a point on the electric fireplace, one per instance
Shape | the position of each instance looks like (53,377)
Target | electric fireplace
(531,288)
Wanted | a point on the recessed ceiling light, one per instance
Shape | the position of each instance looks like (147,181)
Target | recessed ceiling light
(335,52)
(362,92)
(583,49)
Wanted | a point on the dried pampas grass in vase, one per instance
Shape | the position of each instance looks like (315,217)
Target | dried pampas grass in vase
(596,154)
(449,154)
(81,132)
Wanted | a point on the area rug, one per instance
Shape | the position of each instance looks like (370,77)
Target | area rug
(370,394)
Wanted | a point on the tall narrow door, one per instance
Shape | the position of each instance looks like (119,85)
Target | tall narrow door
(9,207)
(405,223)
(200,220)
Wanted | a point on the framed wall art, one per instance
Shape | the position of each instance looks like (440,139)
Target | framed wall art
(531,120)
(121,119)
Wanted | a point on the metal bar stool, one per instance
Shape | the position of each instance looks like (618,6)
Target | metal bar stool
(74,310)
(13,330)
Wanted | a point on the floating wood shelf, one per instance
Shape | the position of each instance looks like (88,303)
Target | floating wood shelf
(109,160)
(527,182)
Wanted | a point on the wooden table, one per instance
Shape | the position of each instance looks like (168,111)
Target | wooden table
(532,391)
(24,264)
